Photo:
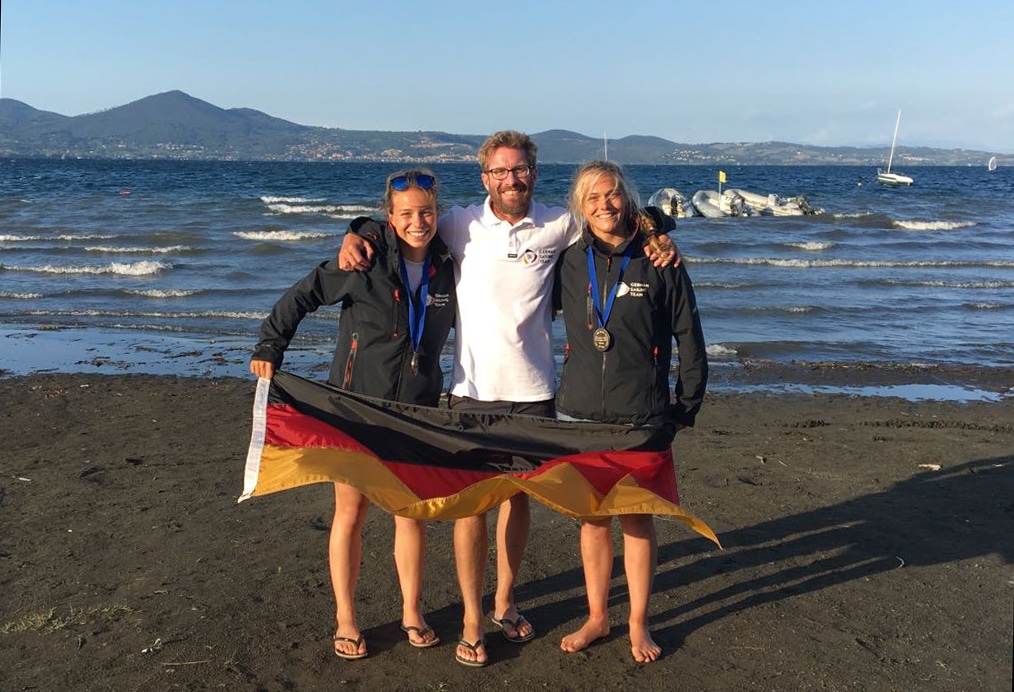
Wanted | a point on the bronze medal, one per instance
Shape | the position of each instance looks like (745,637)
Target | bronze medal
(601,339)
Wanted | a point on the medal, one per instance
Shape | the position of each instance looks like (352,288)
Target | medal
(601,339)
(414,364)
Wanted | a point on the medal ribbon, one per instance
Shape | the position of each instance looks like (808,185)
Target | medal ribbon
(603,315)
(416,317)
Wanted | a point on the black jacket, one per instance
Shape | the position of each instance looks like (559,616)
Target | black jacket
(629,382)
(374,350)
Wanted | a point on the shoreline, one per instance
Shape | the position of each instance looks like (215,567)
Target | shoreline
(866,546)
(31,350)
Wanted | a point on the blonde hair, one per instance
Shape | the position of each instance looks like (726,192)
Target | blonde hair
(511,139)
(586,178)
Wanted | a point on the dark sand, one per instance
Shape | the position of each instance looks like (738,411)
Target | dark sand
(851,561)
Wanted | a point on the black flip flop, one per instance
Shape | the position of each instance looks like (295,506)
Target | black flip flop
(421,633)
(475,648)
(516,624)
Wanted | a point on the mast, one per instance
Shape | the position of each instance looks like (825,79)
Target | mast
(894,141)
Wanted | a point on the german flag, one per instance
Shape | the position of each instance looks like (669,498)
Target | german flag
(432,463)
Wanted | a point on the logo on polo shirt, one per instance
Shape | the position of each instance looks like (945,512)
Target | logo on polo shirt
(530,257)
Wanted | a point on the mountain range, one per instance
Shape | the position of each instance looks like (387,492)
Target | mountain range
(175,125)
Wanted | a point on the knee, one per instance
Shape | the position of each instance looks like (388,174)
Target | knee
(638,525)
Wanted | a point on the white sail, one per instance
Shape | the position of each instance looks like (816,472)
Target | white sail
(992,164)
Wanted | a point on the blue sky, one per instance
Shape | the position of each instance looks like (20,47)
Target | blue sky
(812,72)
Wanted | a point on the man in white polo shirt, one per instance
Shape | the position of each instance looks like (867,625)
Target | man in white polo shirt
(505,251)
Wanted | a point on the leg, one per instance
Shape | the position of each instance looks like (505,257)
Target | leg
(345,554)
(471,546)
(409,554)
(513,521)
(597,560)
(640,552)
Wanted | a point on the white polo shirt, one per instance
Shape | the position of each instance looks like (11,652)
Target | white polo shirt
(504,276)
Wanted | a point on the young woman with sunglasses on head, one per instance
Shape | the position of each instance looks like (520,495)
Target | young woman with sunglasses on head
(395,319)
(622,313)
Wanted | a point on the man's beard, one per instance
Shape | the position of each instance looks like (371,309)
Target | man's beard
(513,205)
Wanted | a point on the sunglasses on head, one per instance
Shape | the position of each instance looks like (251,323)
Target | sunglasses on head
(423,181)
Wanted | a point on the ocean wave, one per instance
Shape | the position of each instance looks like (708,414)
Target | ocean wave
(933,225)
(843,263)
(812,246)
(851,214)
(336,210)
(163,293)
(937,283)
(720,351)
(127,269)
(308,208)
(791,309)
(152,314)
(268,199)
(988,306)
(7,238)
(172,249)
(723,285)
(282,235)
(20,296)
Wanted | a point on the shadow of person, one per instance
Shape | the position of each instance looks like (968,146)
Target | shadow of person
(932,518)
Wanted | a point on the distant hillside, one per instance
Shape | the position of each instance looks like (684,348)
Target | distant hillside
(175,125)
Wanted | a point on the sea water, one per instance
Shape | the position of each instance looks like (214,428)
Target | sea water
(128,258)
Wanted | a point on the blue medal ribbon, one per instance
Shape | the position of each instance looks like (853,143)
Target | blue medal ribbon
(416,316)
(602,316)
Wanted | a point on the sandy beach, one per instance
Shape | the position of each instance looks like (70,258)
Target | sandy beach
(868,546)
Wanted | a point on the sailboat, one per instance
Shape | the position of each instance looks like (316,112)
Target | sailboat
(887,177)
(991,166)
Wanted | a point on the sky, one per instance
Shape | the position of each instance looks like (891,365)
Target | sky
(829,73)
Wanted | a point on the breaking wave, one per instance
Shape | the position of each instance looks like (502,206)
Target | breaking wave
(123,268)
(282,235)
(933,225)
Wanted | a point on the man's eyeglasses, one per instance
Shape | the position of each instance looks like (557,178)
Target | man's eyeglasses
(518,171)
(423,181)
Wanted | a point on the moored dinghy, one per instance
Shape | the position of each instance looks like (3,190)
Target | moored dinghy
(774,205)
(713,205)
(672,202)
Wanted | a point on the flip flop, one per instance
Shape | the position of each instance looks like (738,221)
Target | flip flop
(349,640)
(421,633)
(516,624)
(475,648)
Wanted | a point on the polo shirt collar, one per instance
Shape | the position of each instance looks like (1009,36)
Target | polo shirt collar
(490,219)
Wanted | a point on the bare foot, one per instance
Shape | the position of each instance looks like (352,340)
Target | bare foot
(642,646)
(592,630)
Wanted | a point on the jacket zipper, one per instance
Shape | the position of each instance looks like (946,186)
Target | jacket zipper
(351,362)
(397,311)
